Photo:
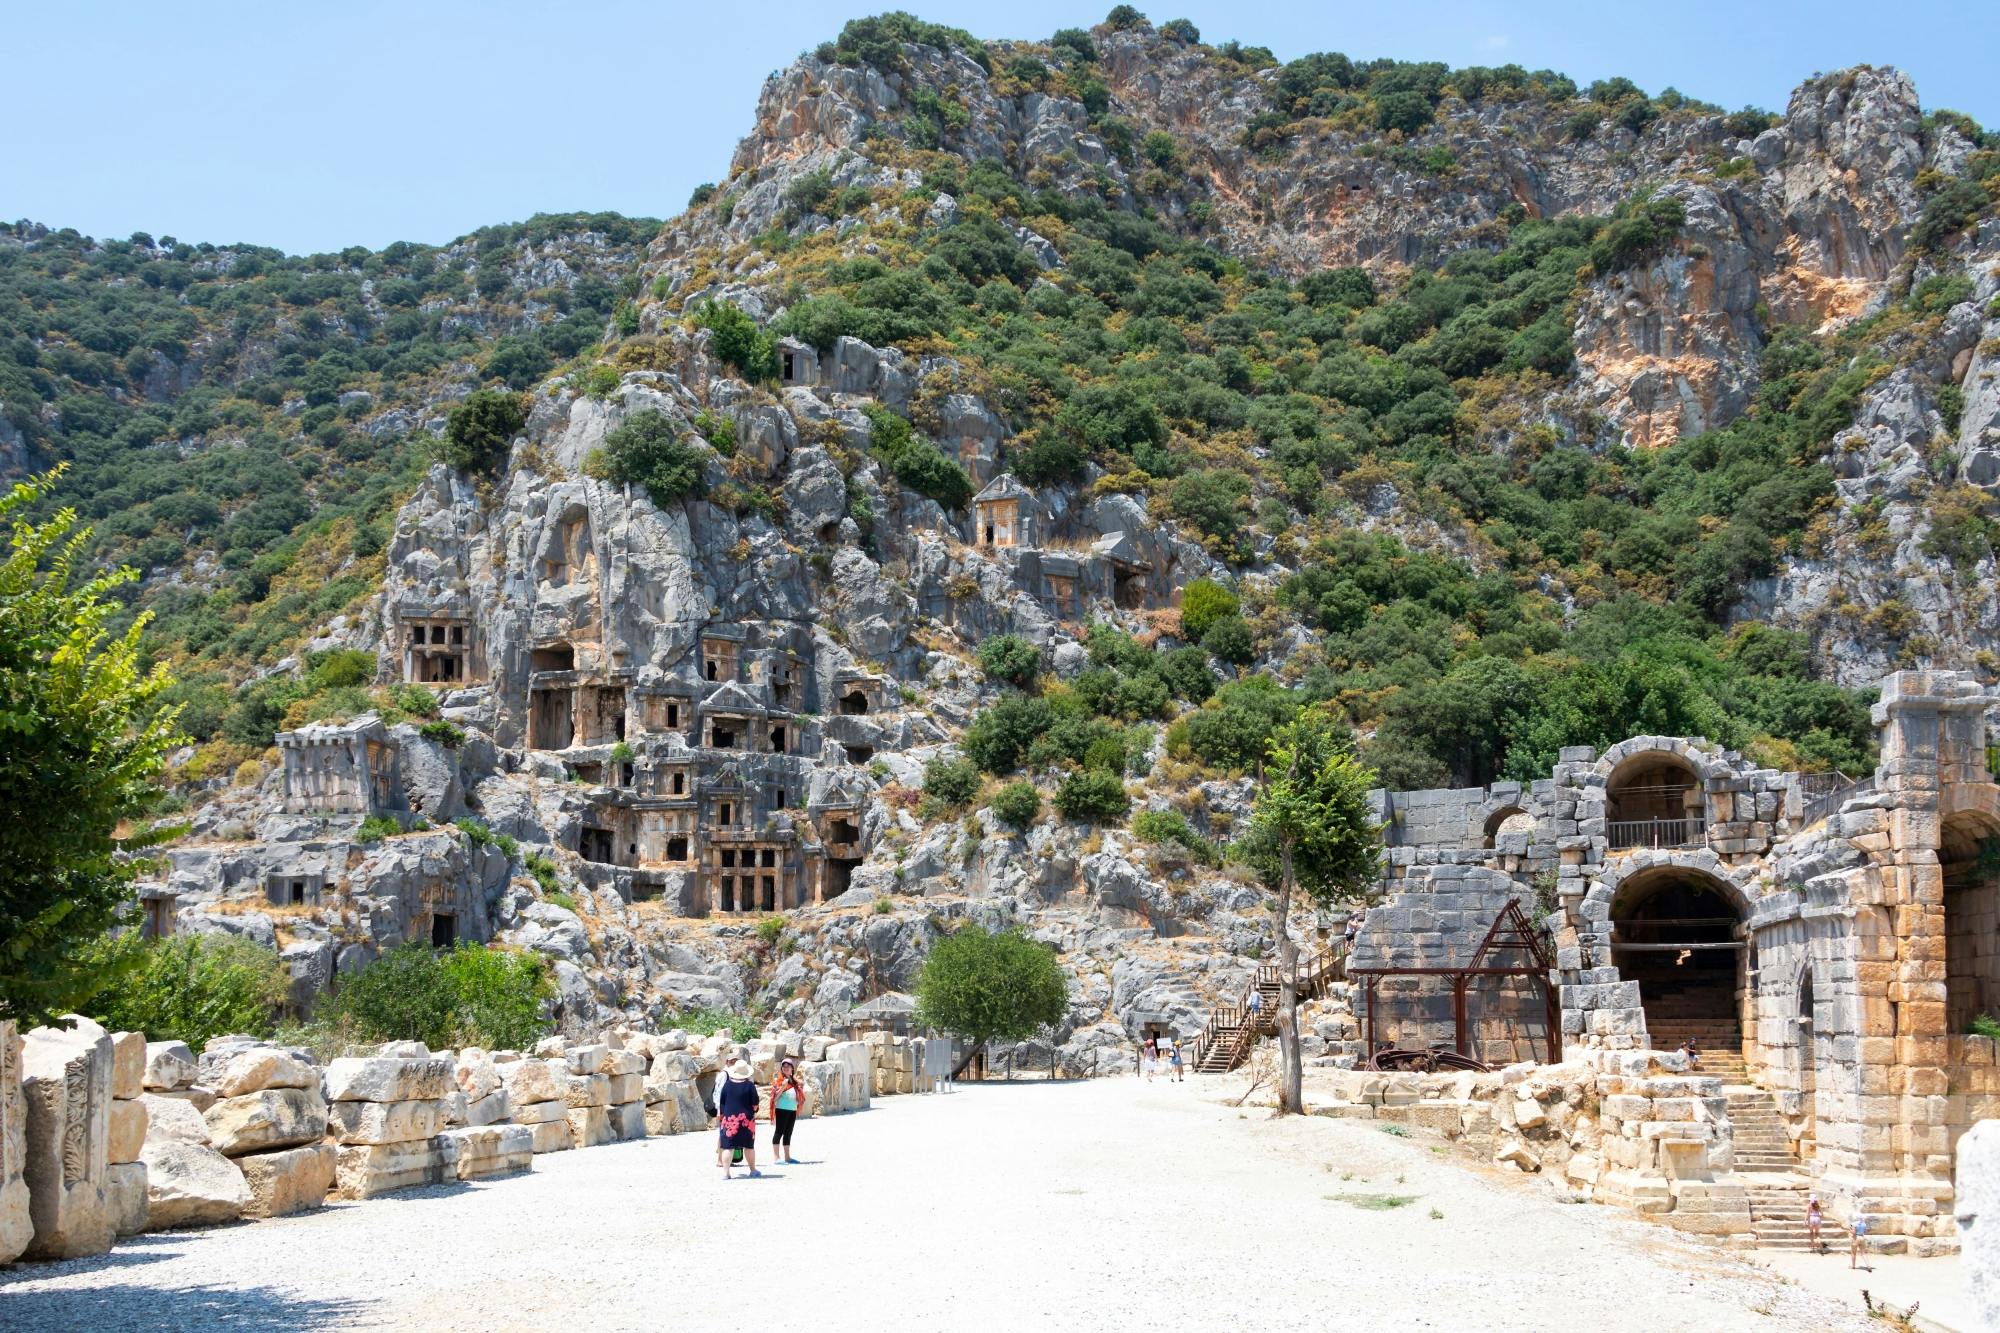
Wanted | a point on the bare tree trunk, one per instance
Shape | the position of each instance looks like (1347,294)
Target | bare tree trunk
(1291,1079)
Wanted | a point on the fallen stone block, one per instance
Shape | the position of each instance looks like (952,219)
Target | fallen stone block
(169,1065)
(125,1196)
(553,1135)
(482,1153)
(374,1079)
(66,1096)
(294,1180)
(488,1110)
(174,1118)
(536,1113)
(128,1132)
(533,1081)
(1344,1111)
(587,1090)
(628,1120)
(623,1062)
(17,1225)
(263,1121)
(263,1067)
(624,1088)
(385,1122)
(590,1126)
(1512,1152)
(190,1185)
(128,1065)
(477,1075)
(587,1060)
(366,1170)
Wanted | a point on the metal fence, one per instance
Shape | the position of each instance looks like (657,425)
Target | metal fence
(1627,833)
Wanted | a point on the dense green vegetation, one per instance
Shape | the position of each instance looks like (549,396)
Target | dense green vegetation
(81,745)
(233,407)
(470,995)
(187,988)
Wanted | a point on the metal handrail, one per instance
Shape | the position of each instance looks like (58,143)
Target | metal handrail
(1628,833)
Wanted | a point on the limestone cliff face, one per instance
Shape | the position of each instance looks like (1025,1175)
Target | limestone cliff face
(843,607)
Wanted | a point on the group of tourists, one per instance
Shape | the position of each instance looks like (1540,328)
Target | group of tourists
(1816,1218)
(1163,1054)
(734,1108)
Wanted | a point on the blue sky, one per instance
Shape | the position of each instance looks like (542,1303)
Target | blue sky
(315,126)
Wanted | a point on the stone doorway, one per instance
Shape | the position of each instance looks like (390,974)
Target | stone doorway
(1678,933)
(1969,855)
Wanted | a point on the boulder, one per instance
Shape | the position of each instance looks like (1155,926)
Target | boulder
(477,1075)
(375,1079)
(385,1122)
(1513,1152)
(263,1067)
(294,1180)
(1976,1202)
(190,1185)
(169,1066)
(174,1118)
(261,1121)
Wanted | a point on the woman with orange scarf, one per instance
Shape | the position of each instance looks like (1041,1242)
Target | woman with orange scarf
(787,1098)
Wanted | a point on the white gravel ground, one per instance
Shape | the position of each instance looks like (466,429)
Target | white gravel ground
(1093,1206)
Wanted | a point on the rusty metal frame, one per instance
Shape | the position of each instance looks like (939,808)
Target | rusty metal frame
(1510,932)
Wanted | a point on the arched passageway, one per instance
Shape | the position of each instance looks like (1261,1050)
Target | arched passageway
(1969,853)
(1654,800)
(1677,932)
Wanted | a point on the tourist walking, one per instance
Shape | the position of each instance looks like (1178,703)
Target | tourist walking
(1147,1060)
(1860,1229)
(1353,929)
(1814,1216)
(787,1097)
(1179,1075)
(736,1117)
(1256,1003)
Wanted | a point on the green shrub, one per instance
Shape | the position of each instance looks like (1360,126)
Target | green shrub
(468,996)
(1010,658)
(1230,641)
(706,1022)
(1092,796)
(189,987)
(479,430)
(415,700)
(476,833)
(1170,826)
(950,784)
(737,341)
(545,874)
(338,668)
(448,734)
(769,929)
(1203,602)
(377,827)
(557,898)
(916,462)
(1984,1025)
(999,737)
(1017,804)
(646,449)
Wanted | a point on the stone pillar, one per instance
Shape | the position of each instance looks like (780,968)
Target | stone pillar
(66,1084)
(17,1228)
(125,1180)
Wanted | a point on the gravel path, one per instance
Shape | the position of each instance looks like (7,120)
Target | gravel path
(1080,1206)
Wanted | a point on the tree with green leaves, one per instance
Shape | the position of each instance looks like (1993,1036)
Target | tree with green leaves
(479,430)
(981,985)
(80,746)
(1311,834)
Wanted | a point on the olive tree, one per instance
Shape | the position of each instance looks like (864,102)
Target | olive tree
(979,985)
(1311,834)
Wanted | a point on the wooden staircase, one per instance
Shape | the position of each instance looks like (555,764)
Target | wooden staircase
(1233,1029)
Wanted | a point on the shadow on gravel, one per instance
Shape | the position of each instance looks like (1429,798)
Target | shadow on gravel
(142,1309)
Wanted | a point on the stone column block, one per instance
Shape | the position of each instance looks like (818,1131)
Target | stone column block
(66,1085)
(17,1227)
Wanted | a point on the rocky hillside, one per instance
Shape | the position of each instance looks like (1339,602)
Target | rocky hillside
(1501,414)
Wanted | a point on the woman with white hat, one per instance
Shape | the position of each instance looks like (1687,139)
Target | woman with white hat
(736,1113)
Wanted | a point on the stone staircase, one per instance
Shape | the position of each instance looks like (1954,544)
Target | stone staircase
(1778,1214)
(1762,1145)
(1719,1040)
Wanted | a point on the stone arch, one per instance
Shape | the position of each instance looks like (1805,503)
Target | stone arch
(1655,793)
(1970,872)
(1676,923)
(1496,815)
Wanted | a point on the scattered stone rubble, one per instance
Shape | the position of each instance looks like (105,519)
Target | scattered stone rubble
(105,1135)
